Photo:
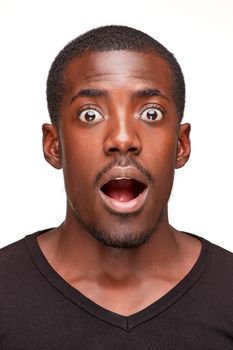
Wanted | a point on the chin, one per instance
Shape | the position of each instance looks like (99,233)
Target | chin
(124,235)
(127,240)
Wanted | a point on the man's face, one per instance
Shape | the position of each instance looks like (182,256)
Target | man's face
(119,136)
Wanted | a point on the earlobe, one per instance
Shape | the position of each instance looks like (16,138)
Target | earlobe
(51,145)
(183,145)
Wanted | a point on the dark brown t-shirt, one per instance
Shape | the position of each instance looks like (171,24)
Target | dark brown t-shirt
(39,310)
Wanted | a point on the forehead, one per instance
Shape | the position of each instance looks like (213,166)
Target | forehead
(111,70)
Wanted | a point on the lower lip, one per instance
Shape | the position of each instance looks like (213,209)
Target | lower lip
(124,207)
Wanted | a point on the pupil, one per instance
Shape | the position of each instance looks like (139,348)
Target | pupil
(151,114)
(89,116)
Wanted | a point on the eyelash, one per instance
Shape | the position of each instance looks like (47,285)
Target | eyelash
(85,108)
(153,105)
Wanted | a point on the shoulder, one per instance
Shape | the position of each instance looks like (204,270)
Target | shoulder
(19,254)
(214,271)
(216,284)
(217,256)
(15,265)
(221,258)
(9,255)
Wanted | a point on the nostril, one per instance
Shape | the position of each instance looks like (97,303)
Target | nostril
(134,150)
(113,149)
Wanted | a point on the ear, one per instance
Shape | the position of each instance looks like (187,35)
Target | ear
(183,145)
(51,145)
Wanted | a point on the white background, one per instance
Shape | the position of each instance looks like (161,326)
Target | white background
(199,32)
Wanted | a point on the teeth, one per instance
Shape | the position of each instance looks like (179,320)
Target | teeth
(122,178)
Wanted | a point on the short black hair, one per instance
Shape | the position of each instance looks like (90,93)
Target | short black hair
(110,38)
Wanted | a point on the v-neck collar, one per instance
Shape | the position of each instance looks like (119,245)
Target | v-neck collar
(124,322)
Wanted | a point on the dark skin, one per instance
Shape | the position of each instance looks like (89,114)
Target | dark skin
(118,126)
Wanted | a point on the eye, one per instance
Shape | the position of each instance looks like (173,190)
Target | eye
(90,116)
(152,114)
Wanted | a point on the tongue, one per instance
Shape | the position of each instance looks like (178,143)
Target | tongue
(121,190)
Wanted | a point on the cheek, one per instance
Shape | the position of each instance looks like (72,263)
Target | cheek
(160,153)
(80,163)
(161,160)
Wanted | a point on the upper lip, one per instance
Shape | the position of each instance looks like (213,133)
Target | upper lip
(119,172)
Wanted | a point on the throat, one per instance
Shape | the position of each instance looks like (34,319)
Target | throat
(121,194)
(123,190)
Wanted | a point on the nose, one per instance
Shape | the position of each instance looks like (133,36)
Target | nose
(122,138)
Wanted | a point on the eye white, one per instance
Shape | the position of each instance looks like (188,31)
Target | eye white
(151,114)
(90,116)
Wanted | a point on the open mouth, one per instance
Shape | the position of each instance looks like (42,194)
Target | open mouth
(123,189)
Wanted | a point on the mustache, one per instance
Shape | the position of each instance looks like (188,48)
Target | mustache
(124,162)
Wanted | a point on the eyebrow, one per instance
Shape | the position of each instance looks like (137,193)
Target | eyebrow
(89,93)
(149,93)
(103,93)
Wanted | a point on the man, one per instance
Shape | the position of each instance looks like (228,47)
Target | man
(115,274)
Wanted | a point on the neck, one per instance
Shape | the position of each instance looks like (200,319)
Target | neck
(71,249)
(124,281)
